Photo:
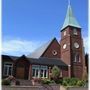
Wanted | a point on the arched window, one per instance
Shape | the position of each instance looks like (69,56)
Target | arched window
(64,33)
(75,31)
(76,57)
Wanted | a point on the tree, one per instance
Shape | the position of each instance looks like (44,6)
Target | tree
(55,72)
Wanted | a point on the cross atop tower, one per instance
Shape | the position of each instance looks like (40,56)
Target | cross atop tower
(68,2)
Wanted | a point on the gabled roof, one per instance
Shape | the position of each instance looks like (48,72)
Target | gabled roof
(38,52)
(70,20)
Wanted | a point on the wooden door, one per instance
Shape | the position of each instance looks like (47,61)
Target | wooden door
(20,72)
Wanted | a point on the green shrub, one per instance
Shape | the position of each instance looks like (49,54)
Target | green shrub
(65,81)
(52,81)
(58,80)
(45,81)
(69,81)
(81,83)
(73,82)
(6,82)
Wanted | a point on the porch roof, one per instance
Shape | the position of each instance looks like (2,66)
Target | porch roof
(47,61)
(39,61)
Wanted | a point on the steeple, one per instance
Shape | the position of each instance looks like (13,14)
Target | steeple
(70,20)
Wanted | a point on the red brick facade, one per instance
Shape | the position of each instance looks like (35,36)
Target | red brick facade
(49,51)
(67,54)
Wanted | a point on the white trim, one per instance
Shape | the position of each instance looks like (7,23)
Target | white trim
(8,67)
(39,68)
(54,52)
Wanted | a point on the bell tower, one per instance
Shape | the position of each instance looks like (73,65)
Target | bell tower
(72,50)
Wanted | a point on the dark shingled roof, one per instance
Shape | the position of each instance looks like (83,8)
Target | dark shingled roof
(38,52)
(41,60)
(47,61)
(12,57)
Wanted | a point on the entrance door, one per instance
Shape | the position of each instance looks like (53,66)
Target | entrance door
(20,72)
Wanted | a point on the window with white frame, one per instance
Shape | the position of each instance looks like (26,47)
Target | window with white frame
(39,71)
(43,71)
(64,33)
(8,69)
(35,70)
(76,57)
(75,31)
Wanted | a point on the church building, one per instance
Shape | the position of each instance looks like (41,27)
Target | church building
(68,55)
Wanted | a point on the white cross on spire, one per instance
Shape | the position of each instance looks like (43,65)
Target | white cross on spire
(68,2)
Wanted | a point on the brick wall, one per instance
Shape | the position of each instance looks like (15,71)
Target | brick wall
(45,87)
(77,88)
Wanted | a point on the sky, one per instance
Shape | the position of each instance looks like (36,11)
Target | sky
(27,24)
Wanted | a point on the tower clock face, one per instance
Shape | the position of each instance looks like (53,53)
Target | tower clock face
(64,46)
(76,45)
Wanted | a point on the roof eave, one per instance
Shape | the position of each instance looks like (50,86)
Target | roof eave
(71,26)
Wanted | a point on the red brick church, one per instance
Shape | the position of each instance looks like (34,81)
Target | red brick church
(68,55)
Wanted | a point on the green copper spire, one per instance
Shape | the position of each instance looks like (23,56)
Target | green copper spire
(70,20)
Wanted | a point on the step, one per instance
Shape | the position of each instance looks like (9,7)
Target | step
(25,82)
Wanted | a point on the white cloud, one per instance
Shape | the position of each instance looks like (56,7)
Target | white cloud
(19,47)
(85,40)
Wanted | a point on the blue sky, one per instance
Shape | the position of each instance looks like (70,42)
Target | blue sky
(27,24)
